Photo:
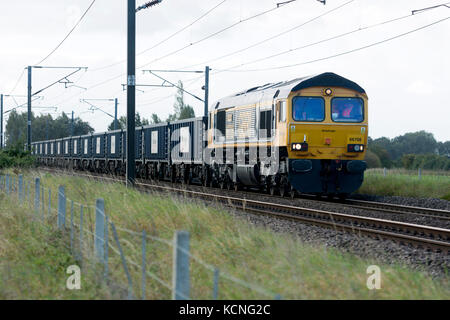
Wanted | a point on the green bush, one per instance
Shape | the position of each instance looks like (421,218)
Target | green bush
(373,161)
(15,157)
(425,161)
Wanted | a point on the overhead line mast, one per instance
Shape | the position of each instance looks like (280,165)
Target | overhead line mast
(131,85)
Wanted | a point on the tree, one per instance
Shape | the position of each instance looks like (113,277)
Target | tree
(372,160)
(181,110)
(420,142)
(122,122)
(16,128)
(43,127)
(444,148)
(155,119)
(383,156)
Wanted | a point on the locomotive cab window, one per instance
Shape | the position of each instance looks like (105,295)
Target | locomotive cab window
(265,124)
(282,111)
(308,109)
(347,109)
(219,124)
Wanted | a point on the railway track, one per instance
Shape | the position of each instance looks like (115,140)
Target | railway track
(395,208)
(419,236)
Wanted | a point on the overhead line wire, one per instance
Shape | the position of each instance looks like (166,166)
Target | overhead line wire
(166,39)
(67,36)
(213,35)
(272,37)
(17,82)
(191,44)
(322,41)
(341,53)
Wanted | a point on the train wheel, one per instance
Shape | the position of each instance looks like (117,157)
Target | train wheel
(293,193)
(273,190)
(342,196)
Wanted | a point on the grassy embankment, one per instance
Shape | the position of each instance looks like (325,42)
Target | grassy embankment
(407,183)
(33,258)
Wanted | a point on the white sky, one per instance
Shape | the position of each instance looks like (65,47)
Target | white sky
(406,79)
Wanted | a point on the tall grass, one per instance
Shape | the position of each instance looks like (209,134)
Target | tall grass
(407,183)
(276,262)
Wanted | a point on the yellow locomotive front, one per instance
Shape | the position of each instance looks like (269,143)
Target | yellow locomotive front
(314,129)
(326,139)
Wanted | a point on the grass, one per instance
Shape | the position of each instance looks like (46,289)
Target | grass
(35,258)
(406,183)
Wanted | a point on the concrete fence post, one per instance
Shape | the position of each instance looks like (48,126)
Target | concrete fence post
(99,243)
(21,189)
(61,207)
(420,173)
(37,194)
(180,274)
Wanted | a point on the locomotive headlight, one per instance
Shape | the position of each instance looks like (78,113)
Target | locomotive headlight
(299,146)
(328,91)
(355,148)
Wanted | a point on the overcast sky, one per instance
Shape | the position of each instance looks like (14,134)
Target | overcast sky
(407,79)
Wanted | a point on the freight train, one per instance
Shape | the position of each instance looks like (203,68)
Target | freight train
(307,135)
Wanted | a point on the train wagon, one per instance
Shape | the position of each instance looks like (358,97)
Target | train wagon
(306,135)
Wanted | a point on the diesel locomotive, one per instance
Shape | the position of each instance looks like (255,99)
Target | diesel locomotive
(307,135)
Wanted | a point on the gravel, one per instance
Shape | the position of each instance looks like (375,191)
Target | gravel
(384,251)
(308,202)
(432,203)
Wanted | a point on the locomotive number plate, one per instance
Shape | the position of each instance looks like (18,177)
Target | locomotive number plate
(355,140)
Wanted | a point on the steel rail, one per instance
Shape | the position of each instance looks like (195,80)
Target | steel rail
(420,236)
(396,208)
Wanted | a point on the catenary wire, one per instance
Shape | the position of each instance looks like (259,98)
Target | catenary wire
(67,36)
(165,39)
(341,53)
